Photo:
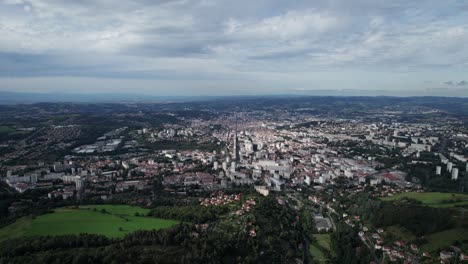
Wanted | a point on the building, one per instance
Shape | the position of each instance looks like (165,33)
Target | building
(67,179)
(322,223)
(262,190)
(122,186)
(79,181)
(438,170)
(443,159)
(191,180)
(445,255)
(454,173)
(233,166)
(236,145)
(307,180)
(33,178)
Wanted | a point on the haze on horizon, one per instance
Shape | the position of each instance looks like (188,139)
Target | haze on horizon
(217,47)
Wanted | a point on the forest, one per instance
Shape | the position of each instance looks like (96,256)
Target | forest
(278,240)
(418,219)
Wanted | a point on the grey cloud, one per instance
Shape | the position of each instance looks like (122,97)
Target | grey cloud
(184,39)
(286,54)
(19,65)
(168,50)
(460,83)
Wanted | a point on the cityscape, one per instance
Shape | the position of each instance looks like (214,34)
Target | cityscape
(233,132)
(382,181)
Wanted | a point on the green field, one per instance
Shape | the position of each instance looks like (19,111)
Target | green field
(441,240)
(433,199)
(118,221)
(317,254)
(323,240)
(6,130)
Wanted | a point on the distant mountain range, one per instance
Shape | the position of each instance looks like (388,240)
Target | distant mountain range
(8,98)
(11,98)
(29,98)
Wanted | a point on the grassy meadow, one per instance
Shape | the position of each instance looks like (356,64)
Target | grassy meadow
(433,199)
(319,253)
(107,220)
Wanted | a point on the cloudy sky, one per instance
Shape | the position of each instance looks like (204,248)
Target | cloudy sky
(217,47)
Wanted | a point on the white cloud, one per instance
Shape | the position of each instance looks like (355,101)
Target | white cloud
(270,38)
(293,24)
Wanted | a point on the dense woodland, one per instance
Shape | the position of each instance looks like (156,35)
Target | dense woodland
(279,240)
(410,214)
(348,247)
(194,214)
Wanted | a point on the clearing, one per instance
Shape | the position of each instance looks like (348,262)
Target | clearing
(113,221)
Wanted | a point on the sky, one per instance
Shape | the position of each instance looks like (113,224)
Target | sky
(217,47)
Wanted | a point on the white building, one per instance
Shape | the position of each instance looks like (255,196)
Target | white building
(233,166)
(454,173)
(262,190)
(443,159)
(307,180)
(79,182)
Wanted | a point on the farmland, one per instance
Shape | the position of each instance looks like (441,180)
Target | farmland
(108,220)
(433,199)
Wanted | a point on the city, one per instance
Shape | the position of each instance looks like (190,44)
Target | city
(233,132)
(392,181)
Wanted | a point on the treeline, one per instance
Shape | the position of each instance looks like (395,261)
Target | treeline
(27,203)
(347,246)
(194,214)
(279,234)
(139,247)
(418,219)
(183,145)
(277,241)
(425,174)
(27,246)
